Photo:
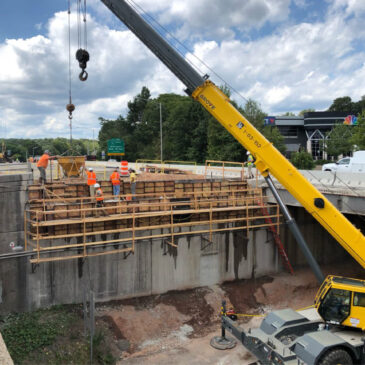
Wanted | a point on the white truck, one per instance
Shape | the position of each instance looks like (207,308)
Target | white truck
(348,164)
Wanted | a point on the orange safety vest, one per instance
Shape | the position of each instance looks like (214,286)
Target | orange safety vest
(99,195)
(115,178)
(43,161)
(91,178)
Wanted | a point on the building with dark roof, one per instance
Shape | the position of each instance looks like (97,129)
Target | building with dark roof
(308,132)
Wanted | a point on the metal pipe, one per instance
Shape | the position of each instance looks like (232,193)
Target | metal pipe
(296,232)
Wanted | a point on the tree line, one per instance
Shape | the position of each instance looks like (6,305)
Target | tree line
(189,132)
(22,148)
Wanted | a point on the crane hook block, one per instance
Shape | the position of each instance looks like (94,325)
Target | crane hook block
(82,55)
(70,107)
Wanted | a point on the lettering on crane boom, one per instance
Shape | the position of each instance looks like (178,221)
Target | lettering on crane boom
(209,103)
(252,139)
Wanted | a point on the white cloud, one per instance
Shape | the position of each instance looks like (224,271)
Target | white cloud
(298,66)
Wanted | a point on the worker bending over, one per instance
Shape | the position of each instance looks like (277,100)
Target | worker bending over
(115,179)
(91,181)
(42,166)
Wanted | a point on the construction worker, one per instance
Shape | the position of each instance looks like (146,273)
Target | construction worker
(133,178)
(42,166)
(249,163)
(91,181)
(99,197)
(115,179)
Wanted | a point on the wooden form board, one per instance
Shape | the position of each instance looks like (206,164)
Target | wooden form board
(68,214)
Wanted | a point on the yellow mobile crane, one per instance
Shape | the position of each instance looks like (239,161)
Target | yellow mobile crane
(286,336)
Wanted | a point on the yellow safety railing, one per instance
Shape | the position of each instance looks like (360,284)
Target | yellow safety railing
(224,166)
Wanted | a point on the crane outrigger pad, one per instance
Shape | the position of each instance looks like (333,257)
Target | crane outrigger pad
(223,343)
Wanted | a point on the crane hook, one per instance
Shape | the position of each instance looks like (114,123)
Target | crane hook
(82,55)
(83,75)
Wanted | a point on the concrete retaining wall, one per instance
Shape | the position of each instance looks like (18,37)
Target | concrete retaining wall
(13,197)
(155,266)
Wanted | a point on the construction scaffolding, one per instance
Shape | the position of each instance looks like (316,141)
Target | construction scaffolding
(61,228)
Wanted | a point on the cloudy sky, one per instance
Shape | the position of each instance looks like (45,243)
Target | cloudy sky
(288,55)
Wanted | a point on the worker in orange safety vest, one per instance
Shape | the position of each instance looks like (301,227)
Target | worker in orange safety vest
(115,179)
(99,197)
(42,166)
(91,181)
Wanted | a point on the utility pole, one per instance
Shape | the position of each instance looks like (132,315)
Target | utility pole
(93,142)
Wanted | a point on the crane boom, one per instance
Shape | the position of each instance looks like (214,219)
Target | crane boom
(268,159)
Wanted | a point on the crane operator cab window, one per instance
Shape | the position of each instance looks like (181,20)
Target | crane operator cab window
(336,305)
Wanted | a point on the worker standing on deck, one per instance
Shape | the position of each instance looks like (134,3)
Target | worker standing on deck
(115,179)
(249,163)
(91,181)
(133,178)
(42,166)
(99,196)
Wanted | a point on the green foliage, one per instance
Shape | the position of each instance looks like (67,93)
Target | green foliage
(99,354)
(345,104)
(27,332)
(302,112)
(275,137)
(321,162)
(358,133)
(338,140)
(23,148)
(52,336)
(302,160)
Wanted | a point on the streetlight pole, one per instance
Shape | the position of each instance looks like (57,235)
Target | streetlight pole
(161,131)
(93,141)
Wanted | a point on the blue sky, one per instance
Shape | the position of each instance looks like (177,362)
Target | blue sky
(288,55)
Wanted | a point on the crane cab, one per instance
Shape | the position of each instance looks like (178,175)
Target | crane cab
(341,301)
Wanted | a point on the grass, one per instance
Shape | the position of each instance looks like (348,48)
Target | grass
(53,336)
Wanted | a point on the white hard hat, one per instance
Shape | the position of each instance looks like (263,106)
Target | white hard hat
(248,153)
(90,169)
(96,185)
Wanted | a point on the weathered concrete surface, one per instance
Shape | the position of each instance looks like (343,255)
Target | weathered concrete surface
(155,267)
(13,197)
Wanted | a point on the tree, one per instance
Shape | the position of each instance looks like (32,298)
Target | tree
(302,160)
(338,140)
(358,133)
(288,114)
(343,104)
(275,137)
(302,112)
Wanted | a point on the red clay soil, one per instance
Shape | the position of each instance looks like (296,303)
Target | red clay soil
(176,327)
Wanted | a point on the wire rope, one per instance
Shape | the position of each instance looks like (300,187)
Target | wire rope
(133,4)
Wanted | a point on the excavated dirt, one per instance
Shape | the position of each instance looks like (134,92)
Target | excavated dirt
(176,327)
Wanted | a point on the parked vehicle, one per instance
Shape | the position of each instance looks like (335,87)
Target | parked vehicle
(348,164)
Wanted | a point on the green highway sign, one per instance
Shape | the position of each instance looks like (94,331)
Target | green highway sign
(115,147)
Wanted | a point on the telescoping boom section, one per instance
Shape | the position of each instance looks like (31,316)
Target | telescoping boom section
(268,159)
